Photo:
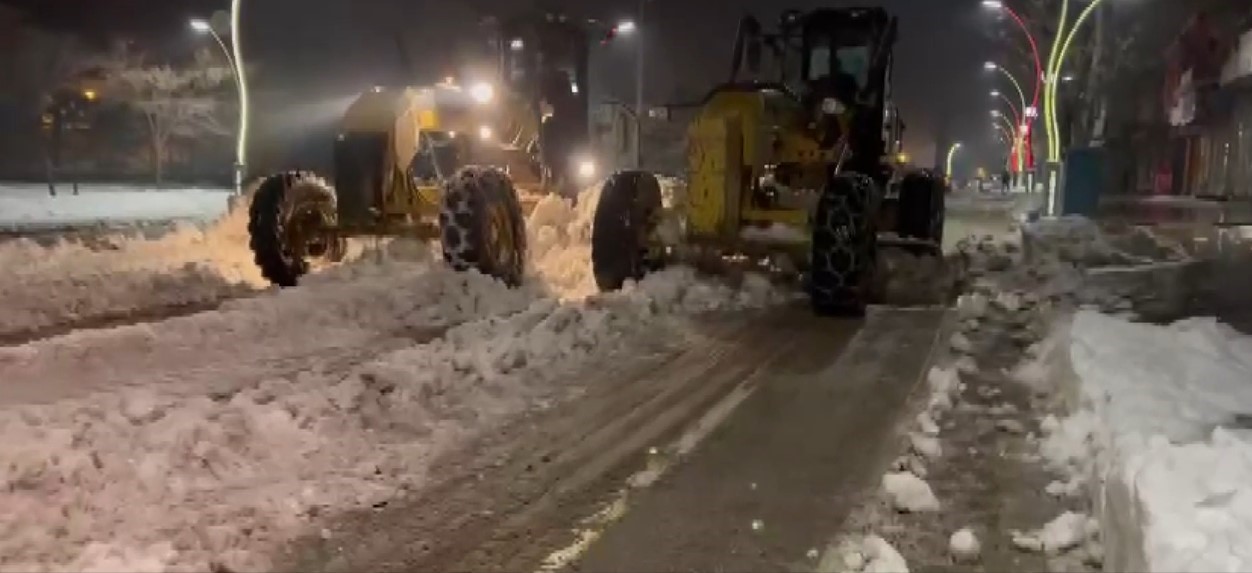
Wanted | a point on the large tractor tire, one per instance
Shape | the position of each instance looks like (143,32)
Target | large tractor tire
(844,246)
(481,224)
(626,215)
(921,207)
(290,222)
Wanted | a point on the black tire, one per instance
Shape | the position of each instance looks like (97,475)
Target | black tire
(921,206)
(269,215)
(625,216)
(481,224)
(844,246)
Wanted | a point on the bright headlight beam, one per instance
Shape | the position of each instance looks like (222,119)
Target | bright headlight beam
(482,92)
(586,168)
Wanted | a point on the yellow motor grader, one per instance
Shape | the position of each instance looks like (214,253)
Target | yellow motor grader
(802,164)
(453,161)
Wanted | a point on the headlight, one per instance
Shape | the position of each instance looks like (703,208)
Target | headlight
(482,92)
(832,106)
(586,169)
(485,132)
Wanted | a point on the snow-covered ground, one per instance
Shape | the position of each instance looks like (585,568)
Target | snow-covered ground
(1159,430)
(204,441)
(1152,421)
(1180,382)
(74,282)
(31,207)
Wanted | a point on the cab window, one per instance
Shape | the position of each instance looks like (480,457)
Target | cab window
(854,61)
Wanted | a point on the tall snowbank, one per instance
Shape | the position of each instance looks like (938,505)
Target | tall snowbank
(1158,431)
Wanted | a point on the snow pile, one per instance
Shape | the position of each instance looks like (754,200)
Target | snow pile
(560,238)
(868,554)
(73,282)
(31,207)
(1067,531)
(1159,430)
(1080,241)
(202,442)
(909,493)
(964,546)
(560,243)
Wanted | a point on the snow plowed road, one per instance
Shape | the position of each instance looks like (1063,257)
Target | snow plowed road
(392,414)
(798,413)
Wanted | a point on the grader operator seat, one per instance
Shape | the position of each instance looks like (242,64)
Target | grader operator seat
(846,56)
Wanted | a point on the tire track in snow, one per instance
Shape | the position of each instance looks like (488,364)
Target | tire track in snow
(533,477)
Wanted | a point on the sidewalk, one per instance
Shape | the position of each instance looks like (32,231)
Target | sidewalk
(1174,210)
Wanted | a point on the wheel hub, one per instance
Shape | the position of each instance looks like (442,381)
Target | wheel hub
(500,238)
(308,233)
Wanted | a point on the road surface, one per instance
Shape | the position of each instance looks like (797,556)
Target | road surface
(739,453)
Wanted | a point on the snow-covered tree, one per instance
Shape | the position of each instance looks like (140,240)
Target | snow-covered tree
(175,103)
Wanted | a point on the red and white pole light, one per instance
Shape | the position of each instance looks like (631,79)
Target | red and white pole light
(1032,111)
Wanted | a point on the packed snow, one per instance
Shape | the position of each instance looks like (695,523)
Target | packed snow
(1159,430)
(74,282)
(203,442)
(1155,416)
(32,207)
(964,546)
(909,493)
(867,554)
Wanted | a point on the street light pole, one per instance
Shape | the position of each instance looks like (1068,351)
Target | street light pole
(948,164)
(1056,73)
(233,58)
(1032,112)
(639,113)
(241,145)
(1021,95)
(1056,60)
(1013,108)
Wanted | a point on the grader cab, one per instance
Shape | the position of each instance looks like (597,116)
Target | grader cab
(458,160)
(798,161)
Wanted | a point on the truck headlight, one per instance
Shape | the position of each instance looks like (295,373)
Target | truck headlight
(586,168)
(482,92)
(485,132)
(832,106)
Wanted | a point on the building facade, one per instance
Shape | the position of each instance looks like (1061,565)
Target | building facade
(1209,107)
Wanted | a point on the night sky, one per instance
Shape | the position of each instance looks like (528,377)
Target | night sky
(319,50)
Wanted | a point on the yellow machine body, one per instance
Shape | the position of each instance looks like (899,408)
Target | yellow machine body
(739,137)
(377,190)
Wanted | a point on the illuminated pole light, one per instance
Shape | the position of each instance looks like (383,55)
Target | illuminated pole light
(1019,147)
(630,28)
(1008,102)
(998,5)
(1049,107)
(202,26)
(1056,60)
(236,41)
(1005,136)
(1010,127)
(1060,63)
(992,66)
(951,154)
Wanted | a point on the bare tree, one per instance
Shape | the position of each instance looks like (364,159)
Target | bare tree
(174,103)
